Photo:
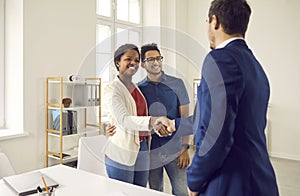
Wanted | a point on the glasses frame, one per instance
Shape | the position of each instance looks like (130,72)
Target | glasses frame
(151,60)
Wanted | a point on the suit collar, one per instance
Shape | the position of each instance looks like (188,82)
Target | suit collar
(228,41)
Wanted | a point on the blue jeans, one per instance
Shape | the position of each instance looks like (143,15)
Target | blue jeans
(137,174)
(177,177)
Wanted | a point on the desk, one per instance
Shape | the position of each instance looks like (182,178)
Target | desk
(76,182)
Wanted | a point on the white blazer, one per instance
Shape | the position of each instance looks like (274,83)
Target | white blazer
(123,146)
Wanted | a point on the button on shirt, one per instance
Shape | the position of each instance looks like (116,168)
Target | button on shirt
(163,99)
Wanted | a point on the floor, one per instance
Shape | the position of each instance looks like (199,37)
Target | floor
(287,174)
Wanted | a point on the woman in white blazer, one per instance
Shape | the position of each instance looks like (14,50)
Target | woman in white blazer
(127,151)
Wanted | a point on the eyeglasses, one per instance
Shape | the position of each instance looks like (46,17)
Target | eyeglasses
(151,60)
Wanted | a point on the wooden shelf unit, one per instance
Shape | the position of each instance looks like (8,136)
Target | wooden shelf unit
(80,132)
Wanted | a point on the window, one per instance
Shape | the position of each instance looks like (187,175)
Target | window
(2,64)
(118,22)
(11,65)
(128,10)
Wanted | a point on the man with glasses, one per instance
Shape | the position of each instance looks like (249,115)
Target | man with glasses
(166,96)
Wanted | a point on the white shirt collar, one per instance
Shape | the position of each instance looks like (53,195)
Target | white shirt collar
(224,43)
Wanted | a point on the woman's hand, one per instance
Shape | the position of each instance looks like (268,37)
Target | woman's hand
(110,129)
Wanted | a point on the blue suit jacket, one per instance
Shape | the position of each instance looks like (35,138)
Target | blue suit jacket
(229,122)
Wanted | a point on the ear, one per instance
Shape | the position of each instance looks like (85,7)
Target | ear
(215,22)
(143,65)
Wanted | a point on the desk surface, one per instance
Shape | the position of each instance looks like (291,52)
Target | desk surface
(77,182)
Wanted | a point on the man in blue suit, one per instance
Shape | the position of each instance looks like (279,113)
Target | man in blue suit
(231,157)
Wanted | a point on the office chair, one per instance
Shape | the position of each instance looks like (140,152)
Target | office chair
(90,155)
(6,168)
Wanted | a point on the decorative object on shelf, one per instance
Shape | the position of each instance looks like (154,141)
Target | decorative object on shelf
(67,102)
(74,78)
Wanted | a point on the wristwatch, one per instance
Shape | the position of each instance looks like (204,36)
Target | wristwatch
(186,146)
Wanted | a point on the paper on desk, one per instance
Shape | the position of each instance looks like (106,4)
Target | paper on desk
(117,194)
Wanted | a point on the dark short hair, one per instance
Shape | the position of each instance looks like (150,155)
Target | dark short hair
(145,48)
(122,50)
(233,15)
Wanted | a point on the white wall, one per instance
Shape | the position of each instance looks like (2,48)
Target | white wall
(274,37)
(14,93)
(181,51)
(57,38)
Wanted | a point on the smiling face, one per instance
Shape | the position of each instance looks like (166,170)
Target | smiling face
(154,67)
(129,63)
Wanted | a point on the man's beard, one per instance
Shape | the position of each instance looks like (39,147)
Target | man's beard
(154,73)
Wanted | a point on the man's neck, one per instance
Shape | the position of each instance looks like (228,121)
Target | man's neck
(154,77)
(223,37)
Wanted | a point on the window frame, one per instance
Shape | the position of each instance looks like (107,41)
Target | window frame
(2,61)
(114,23)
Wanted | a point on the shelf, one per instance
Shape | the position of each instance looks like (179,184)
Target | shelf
(80,132)
(72,108)
(86,103)
(66,82)
(73,155)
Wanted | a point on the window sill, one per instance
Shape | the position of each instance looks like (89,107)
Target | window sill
(6,134)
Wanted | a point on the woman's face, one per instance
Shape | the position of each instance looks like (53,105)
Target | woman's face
(129,63)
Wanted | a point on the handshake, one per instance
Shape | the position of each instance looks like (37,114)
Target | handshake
(162,125)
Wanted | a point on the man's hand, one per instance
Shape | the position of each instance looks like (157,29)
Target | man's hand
(158,128)
(183,158)
(110,129)
(169,124)
(193,193)
(161,126)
